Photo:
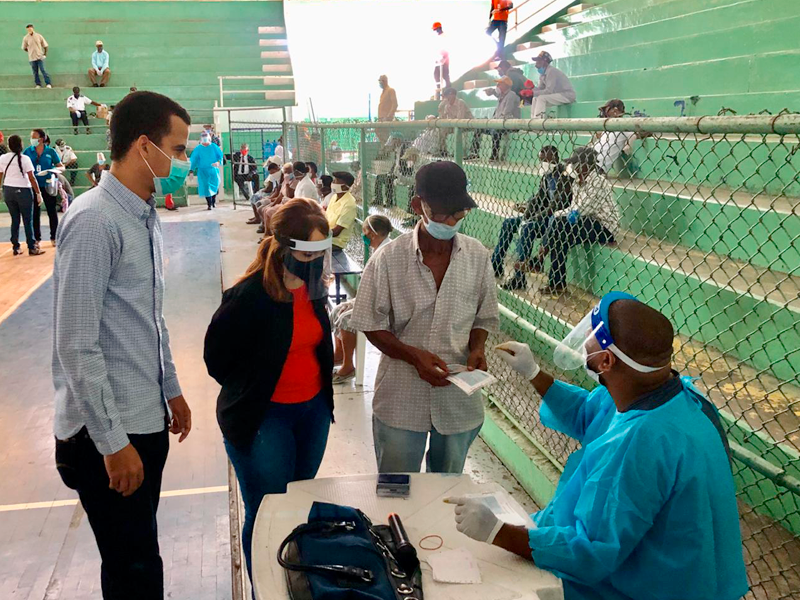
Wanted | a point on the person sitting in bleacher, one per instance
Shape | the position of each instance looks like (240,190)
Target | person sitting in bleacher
(342,210)
(69,158)
(554,193)
(554,87)
(375,231)
(324,188)
(507,108)
(451,107)
(303,186)
(99,73)
(592,218)
(610,145)
(260,198)
(95,172)
(76,104)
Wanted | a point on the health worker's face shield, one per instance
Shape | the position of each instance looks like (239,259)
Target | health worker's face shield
(311,262)
(592,336)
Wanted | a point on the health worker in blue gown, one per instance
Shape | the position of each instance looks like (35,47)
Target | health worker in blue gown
(646,508)
(206,160)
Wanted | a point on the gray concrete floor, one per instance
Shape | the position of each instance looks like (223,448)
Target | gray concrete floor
(46,547)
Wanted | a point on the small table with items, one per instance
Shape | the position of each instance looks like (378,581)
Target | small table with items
(504,576)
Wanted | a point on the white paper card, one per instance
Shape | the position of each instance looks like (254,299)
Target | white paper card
(455,566)
(504,508)
(469,382)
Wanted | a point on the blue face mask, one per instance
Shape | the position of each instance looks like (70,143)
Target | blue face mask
(34,142)
(440,231)
(541,70)
(178,171)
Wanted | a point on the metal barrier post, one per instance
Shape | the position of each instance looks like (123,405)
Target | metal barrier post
(297,155)
(362,154)
(458,155)
(322,151)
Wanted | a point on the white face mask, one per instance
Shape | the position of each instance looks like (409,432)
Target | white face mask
(545,168)
(338,188)
(570,171)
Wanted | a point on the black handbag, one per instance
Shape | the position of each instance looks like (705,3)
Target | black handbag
(340,555)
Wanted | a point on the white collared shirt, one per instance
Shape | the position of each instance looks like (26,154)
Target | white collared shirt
(78,103)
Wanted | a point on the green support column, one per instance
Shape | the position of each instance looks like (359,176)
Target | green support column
(458,155)
(362,155)
(323,150)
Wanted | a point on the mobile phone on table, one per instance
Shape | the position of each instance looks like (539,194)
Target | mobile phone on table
(393,485)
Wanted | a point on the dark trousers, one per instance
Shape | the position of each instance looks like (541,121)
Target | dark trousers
(84,118)
(500,27)
(561,234)
(51,204)
(125,529)
(289,446)
(497,137)
(242,179)
(20,205)
(72,168)
(529,231)
(211,201)
(36,66)
(442,74)
(387,182)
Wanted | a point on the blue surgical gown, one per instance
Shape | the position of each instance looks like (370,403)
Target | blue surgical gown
(207,176)
(646,509)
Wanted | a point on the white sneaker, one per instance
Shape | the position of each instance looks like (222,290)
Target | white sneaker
(38,87)
(49,87)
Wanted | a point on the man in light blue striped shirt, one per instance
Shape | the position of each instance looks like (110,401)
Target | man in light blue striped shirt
(116,389)
(99,73)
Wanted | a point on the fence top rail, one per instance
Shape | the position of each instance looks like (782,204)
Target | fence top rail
(786,124)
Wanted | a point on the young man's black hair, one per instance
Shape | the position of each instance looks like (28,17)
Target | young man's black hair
(312,166)
(272,167)
(300,167)
(142,113)
(345,177)
(550,151)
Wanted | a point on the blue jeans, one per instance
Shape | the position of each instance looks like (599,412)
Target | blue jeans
(20,204)
(529,231)
(561,235)
(288,446)
(401,451)
(36,66)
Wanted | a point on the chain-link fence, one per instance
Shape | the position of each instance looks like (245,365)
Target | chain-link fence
(699,218)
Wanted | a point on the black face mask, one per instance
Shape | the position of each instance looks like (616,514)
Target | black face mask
(310,272)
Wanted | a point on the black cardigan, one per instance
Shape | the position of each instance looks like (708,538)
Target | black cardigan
(246,346)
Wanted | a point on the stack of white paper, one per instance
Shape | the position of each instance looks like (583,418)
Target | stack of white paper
(469,381)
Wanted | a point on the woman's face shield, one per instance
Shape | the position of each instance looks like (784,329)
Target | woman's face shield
(593,336)
(310,261)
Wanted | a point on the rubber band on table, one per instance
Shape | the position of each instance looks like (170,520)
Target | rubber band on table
(430,537)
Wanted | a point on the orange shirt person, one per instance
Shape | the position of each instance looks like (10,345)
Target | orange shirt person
(498,21)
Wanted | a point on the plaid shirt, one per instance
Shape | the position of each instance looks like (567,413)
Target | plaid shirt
(397,293)
(112,366)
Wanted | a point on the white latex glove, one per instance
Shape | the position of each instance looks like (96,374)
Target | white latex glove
(519,357)
(476,520)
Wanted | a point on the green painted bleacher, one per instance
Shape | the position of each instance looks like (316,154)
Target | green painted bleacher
(177,48)
(710,223)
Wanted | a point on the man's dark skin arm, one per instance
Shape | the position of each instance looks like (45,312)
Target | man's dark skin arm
(477,349)
(335,233)
(430,367)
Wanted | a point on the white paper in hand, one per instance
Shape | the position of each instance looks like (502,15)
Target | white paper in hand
(469,382)
(455,566)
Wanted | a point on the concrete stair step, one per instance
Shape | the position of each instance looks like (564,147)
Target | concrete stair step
(271,30)
(477,84)
(277,68)
(528,46)
(281,55)
(579,8)
(554,27)
(273,42)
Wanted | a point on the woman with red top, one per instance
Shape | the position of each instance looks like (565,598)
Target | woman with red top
(276,407)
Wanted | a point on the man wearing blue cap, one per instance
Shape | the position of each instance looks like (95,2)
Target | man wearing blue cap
(646,508)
